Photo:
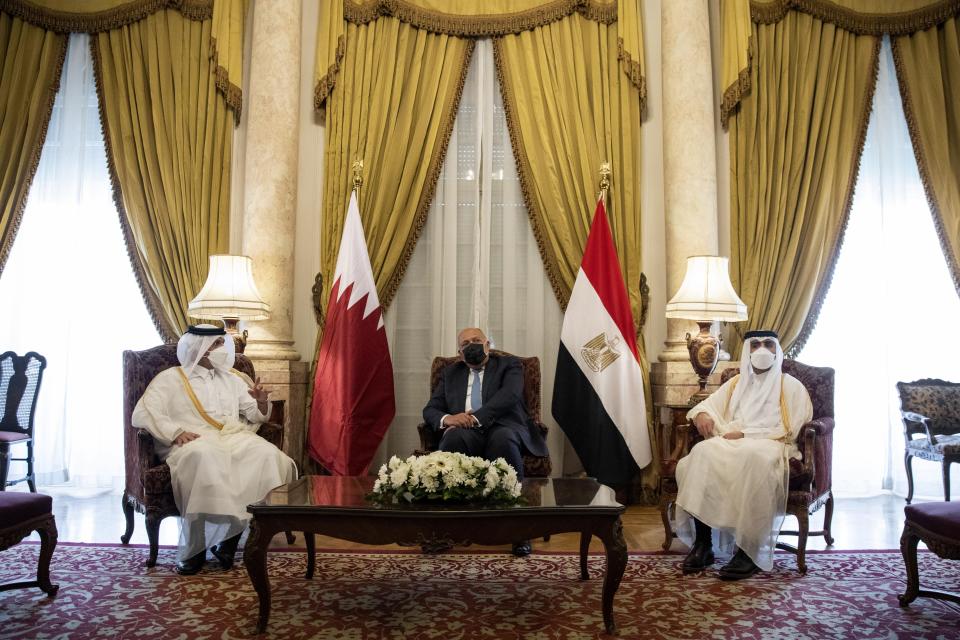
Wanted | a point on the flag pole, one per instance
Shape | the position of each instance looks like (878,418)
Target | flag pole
(357,178)
(604,181)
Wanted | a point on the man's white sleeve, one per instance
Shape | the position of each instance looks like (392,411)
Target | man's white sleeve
(151,413)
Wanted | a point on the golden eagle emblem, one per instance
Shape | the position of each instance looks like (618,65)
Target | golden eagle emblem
(600,352)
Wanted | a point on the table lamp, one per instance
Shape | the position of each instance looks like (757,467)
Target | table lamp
(230,294)
(706,296)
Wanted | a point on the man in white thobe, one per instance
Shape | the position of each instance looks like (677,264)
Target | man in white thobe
(735,482)
(204,416)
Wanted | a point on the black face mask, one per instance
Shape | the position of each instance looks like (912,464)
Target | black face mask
(473,354)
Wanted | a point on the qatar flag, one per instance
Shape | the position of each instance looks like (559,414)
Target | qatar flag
(598,390)
(353,402)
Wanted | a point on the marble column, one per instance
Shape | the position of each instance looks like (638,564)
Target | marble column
(689,150)
(271,101)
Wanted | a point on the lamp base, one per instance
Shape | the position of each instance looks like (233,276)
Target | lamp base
(704,350)
(231,326)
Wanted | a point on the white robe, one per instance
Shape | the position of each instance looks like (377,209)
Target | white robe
(217,475)
(739,487)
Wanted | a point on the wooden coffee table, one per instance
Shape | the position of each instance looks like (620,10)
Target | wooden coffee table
(337,507)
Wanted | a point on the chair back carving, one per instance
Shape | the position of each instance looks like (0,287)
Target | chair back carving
(20,378)
(938,400)
(531,378)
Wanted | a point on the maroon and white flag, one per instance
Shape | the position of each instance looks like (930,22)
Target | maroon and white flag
(353,401)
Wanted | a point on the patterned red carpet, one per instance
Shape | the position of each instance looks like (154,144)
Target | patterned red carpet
(106,592)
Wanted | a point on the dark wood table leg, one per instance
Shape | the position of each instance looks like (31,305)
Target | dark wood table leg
(255,560)
(585,538)
(311,553)
(616,549)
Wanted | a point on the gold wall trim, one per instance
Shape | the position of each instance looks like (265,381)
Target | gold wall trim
(861,23)
(13,225)
(906,98)
(430,185)
(167,332)
(813,314)
(95,22)
(478,26)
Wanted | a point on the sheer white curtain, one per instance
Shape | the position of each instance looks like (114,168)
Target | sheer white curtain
(476,264)
(889,312)
(68,292)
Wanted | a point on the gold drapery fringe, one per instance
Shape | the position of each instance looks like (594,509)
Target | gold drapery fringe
(478,26)
(921,157)
(810,322)
(430,186)
(735,92)
(14,224)
(80,22)
(325,85)
(231,92)
(526,182)
(634,72)
(150,298)
(865,24)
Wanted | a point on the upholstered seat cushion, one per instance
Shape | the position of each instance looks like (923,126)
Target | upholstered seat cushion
(946,445)
(941,518)
(16,507)
(13,436)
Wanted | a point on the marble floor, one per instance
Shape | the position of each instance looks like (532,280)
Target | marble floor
(858,523)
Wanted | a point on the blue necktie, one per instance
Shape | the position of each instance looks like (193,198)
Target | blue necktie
(476,401)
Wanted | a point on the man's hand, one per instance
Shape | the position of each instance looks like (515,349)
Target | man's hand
(459,420)
(258,393)
(184,438)
(704,424)
(733,435)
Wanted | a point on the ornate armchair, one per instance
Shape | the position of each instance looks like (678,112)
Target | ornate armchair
(937,524)
(931,426)
(148,489)
(20,378)
(533,466)
(811,477)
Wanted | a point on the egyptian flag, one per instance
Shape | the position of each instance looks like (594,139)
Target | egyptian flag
(598,391)
(353,402)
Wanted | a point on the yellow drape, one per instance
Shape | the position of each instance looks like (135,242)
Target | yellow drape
(30,63)
(226,50)
(169,137)
(736,56)
(795,148)
(569,109)
(396,99)
(928,70)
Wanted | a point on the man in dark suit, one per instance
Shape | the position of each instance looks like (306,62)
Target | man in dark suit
(478,408)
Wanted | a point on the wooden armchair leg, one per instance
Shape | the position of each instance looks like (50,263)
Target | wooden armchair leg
(48,542)
(803,530)
(908,465)
(908,548)
(828,520)
(4,464)
(153,535)
(945,470)
(128,515)
(667,529)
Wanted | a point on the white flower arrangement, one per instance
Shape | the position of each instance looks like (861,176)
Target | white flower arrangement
(445,476)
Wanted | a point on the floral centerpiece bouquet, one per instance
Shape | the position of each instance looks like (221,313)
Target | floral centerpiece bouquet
(445,476)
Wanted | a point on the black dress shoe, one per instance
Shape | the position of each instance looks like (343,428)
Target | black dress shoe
(522,549)
(225,551)
(739,567)
(192,565)
(699,558)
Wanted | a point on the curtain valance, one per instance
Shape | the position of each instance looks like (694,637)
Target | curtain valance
(470,19)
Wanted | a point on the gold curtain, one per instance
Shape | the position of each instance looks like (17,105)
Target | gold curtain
(397,96)
(31,59)
(928,70)
(795,147)
(169,137)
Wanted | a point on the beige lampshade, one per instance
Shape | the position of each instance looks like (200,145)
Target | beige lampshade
(229,291)
(706,293)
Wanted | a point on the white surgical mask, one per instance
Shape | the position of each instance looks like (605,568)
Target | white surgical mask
(763,358)
(220,359)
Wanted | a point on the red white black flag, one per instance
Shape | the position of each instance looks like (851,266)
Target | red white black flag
(353,401)
(598,396)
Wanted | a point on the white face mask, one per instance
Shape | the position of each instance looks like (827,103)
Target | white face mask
(763,358)
(220,359)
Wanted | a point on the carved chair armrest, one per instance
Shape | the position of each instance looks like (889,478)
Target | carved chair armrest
(146,453)
(806,442)
(429,438)
(912,418)
(272,433)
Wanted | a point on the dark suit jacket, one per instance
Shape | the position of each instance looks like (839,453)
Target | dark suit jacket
(502,395)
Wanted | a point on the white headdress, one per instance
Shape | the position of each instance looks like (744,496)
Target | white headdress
(196,342)
(756,398)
